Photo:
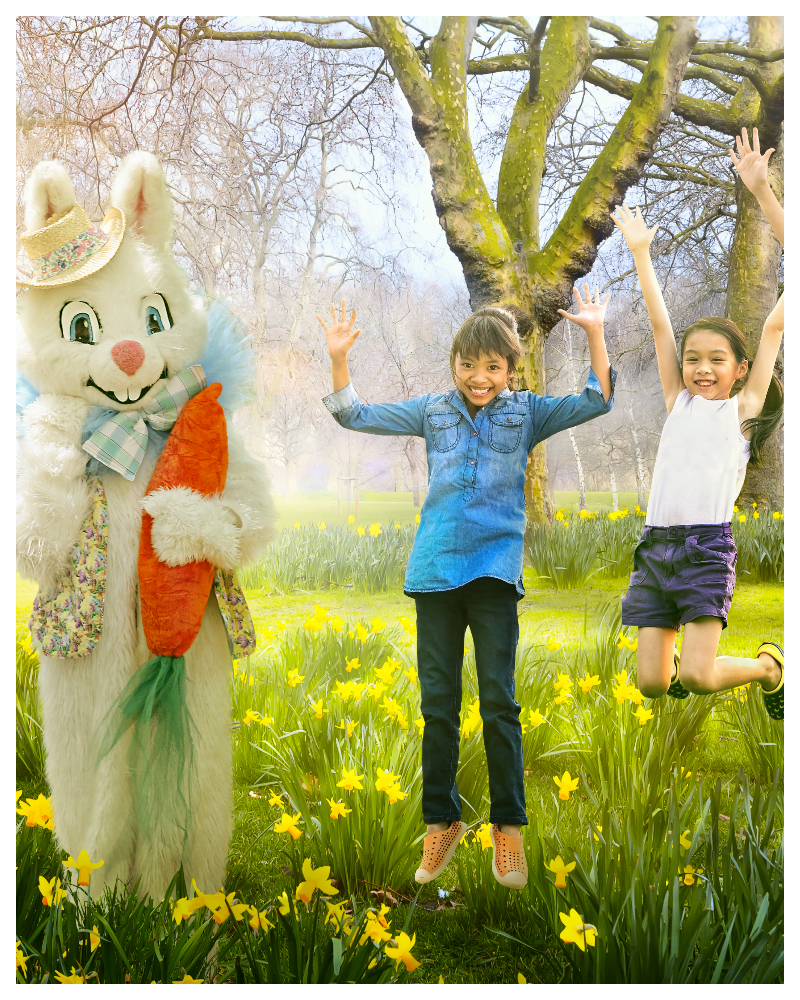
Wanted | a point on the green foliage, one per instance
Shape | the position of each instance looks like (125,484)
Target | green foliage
(30,746)
(759,547)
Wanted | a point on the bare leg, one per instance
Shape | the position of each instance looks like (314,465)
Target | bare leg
(436,827)
(654,660)
(703,672)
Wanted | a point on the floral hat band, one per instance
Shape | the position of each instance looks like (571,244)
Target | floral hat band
(70,248)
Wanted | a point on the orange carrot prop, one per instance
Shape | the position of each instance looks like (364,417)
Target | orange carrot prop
(173,600)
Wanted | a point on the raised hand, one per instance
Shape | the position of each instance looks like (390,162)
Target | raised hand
(633,228)
(340,333)
(751,165)
(590,313)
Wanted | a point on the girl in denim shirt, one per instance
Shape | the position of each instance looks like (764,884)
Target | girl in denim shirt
(465,569)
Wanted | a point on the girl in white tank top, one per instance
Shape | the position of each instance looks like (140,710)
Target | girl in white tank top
(684,565)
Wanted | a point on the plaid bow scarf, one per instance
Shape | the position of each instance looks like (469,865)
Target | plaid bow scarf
(122,440)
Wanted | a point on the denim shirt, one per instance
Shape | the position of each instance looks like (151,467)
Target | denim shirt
(472,523)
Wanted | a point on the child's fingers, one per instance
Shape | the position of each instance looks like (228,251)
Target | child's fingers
(756,146)
(344,311)
(596,295)
(733,157)
(333,313)
(577,295)
(322,322)
(606,299)
(745,141)
(587,294)
(353,318)
(767,155)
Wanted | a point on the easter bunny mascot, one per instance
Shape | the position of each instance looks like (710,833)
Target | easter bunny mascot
(135,502)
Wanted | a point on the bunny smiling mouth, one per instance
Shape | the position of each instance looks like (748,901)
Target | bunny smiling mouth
(125,395)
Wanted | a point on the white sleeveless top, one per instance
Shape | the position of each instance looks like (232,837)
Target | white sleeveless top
(701,463)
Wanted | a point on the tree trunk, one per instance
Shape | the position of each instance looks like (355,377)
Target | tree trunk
(581,477)
(641,474)
(614,494)
(755,257)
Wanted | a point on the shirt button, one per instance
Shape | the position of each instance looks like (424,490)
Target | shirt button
(474,434)
(471,463)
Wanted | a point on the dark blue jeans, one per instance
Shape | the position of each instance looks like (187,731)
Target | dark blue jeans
(489,607)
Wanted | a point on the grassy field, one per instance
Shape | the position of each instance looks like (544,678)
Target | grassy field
(398,508)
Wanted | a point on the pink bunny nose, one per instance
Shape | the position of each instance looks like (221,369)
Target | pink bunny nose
(128,355)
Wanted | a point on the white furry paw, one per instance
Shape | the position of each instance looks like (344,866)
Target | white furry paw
(190,527)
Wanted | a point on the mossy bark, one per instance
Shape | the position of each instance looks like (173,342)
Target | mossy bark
(755,252)
(498,246)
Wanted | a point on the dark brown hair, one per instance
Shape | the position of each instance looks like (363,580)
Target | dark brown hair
(771,413)
(490,330)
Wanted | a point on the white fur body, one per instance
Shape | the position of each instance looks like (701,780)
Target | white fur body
(94,805)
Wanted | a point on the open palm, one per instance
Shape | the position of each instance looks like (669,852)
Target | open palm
(340,334)
(633,228)
(590,313)
(752,165)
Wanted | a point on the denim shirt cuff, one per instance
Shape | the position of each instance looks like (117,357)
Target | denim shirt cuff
(343,399)
(592,382)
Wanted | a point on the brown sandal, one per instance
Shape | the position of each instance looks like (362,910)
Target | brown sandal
(438,849)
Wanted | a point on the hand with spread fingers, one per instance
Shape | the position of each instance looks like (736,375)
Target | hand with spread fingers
(591,313)
(751,165)
(341,335)
(633,228)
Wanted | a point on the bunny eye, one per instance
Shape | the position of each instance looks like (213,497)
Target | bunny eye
(79,323)
(157,314)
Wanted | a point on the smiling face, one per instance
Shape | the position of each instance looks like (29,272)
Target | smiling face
(480,379)
(709,365)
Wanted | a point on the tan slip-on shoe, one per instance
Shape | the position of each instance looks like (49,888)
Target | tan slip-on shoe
(438,849)
(509,866)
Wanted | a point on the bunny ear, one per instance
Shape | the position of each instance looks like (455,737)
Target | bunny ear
(140,190)
(49,194)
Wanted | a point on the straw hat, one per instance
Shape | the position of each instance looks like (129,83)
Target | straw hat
(70,248)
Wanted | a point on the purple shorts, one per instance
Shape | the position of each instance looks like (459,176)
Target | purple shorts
(679,574)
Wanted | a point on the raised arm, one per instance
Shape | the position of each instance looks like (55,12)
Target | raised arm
(752,168)
(591,315)
(341,338)
(639,237)
(755,391)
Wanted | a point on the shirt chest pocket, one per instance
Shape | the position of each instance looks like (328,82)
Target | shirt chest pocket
(444,426)
(505,430)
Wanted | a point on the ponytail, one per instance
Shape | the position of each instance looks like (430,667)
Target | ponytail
(766,422)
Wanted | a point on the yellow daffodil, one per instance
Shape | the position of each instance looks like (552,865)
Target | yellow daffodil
(37,812)
(473,721)
(351,665)
(563,683)
(250,716)
(686,841)
(183,909)
(402,953)
(412,675)
(621,693)
(644,715)
(756,515)
(51,891)
(407,624)
(535,718)
(350,780)
(386,672)
(599,829)
(283,899)
(635,695)
(742,518)
(689,874)
(377,625)
(575,931)
(484,835)
(84,865)
(566,784)
(395,794)
(287,825)
(259,919)
(375,929)
(266,720)
(385,780)
(186,979)
(621,678)
(560,870)
(416,519)
(338,810)
(351,519)
(755,504)
(565,696)
(348,726)
(553,645)
(321,525)
(359,689)
(559,515)
(315,878)
(76,977)
(587,683)
(377,690)
(420,724)
(297,524)
(336,623)
(777,514)
(361,531)
(336,912)
(275,799)
(317,708)
(362,633)
(22,961)
(375,529)
(294,678)
(521,979)
(735,509)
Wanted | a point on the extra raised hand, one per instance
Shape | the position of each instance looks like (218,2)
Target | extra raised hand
(591,314)
(341,335)
(751,165)
(633,228)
